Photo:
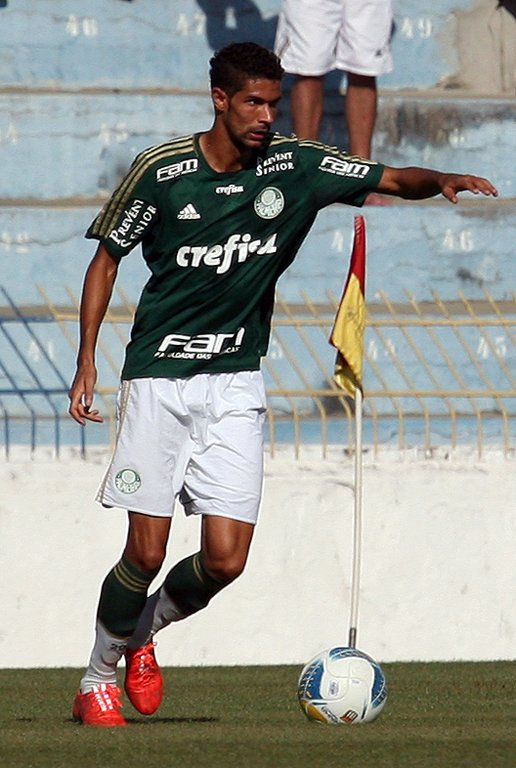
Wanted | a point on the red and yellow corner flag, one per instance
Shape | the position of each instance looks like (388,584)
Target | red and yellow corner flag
(347,334)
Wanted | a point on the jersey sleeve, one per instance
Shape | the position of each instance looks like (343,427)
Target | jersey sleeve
(337,177)
(130,213)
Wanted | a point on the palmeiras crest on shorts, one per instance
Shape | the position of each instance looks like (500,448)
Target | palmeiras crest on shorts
(127,481)
(269,203)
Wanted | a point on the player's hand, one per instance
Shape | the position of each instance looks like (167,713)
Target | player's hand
(453,183)
(81,395)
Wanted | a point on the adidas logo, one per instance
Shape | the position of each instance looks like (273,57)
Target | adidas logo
(188,212)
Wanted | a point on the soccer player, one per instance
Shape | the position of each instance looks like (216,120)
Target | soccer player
(219,215)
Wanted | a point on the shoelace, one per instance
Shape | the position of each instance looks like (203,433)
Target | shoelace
(107,699)
(145,664)
(146,658)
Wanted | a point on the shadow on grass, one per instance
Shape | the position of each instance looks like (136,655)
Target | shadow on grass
(141,721)
(161,720)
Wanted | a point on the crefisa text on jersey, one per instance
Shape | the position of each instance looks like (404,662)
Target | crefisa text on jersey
(230,189)
(237,248)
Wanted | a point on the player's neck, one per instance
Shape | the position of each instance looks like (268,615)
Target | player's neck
(221,153)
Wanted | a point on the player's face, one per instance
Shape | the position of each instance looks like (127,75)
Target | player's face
(249,114)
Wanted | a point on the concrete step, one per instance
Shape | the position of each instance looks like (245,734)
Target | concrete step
(60,146)
(162,44)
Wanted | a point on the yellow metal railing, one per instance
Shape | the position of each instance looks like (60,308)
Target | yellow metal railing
(433,362)
(433,370)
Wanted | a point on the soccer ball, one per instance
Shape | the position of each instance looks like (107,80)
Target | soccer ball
(342,685)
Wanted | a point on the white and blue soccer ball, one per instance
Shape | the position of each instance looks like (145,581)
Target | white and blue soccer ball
(342,685)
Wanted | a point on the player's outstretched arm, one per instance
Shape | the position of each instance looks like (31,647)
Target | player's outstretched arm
(98,287)
(420,183)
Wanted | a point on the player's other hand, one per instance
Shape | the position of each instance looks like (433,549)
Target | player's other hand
(452,183)
(81,395)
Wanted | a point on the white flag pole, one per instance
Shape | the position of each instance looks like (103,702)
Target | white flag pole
(348,337)
(357,523)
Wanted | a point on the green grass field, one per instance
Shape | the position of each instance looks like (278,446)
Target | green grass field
(443,715)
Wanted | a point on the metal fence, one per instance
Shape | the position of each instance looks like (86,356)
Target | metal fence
(436,373)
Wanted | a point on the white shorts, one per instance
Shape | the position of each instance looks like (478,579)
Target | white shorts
(314,37)
(198,438)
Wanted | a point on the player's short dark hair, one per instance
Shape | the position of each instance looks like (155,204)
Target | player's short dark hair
(235,63)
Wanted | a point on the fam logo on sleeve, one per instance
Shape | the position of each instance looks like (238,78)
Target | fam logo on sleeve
(341,167)
(169,172)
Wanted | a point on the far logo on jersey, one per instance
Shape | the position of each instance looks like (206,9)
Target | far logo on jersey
(269,203)
(188,212)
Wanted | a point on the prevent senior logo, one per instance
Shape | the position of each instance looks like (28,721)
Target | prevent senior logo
(135,220)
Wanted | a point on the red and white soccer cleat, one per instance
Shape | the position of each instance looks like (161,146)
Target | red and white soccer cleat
(101,706)
(143,679)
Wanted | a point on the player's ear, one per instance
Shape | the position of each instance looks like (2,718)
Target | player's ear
(220,99)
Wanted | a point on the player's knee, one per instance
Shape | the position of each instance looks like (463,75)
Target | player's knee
(225,570)
(149,559)
(147,542)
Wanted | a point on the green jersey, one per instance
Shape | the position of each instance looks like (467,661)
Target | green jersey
(216,244)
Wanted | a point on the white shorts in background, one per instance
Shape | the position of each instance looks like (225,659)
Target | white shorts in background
(314,37)
(198,438)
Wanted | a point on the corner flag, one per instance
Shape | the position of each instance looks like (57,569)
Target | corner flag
(347,334)
(348,337)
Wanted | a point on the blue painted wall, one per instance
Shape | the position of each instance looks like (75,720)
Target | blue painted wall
(85,86)
(163,43)
(150,43)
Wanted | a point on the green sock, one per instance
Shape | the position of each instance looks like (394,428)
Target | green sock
(122,597)
(189,586)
